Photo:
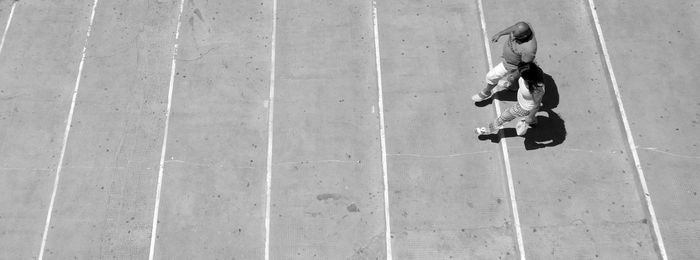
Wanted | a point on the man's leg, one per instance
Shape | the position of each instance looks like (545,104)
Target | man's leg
(492,78)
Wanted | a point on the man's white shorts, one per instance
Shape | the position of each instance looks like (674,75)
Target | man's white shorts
(497,76)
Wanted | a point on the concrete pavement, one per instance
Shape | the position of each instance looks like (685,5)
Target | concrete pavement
(576,184)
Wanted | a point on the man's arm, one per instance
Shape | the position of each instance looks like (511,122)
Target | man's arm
(505,31)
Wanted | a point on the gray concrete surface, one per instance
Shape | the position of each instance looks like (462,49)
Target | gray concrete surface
(652,51)
(214,181)
(5,10)
(578,199)
(447,188)
(575,179)
(104,203)
(327,192)
(38,67)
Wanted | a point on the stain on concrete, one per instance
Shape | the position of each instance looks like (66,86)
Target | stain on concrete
(353,208)
(327,196)
(199,14)
(373,249)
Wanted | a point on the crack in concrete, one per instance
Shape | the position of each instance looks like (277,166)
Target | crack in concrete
(579,150)
(201,55)
(23,169)
(206,165)
(436,156)
(577,222)
(10,97)
(316,161)
(592,151)
(373,247)
(654,149)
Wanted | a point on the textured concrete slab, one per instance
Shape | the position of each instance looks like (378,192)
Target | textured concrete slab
(652,49)
(327,191)
(5,10)
(213,202)
(583,189)
(104,203)
(575,179)
(448,194)
(38,65)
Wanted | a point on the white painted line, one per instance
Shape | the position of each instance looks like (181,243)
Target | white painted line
(270,128)
(66,132)
(382,133)
(504,146)
(628,132)
(159,186)
(7,26)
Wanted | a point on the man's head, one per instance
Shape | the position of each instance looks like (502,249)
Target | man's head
(522,32)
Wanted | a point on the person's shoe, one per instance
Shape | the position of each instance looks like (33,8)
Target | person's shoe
(481,131)
(486,130)
(521,127)
(481,96)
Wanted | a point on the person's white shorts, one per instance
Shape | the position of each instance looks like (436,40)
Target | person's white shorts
(497,76)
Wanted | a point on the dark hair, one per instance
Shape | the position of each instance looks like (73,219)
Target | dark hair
(530,72)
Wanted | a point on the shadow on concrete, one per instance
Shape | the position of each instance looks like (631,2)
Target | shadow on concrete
(549,131)
(508,94)
(484,103)
(551,93)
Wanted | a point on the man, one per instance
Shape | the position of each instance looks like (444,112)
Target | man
(530,93)
(520,48)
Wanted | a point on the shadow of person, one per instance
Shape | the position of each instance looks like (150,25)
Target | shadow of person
(549,131)
(550,100)
(494,138)
(508,94)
